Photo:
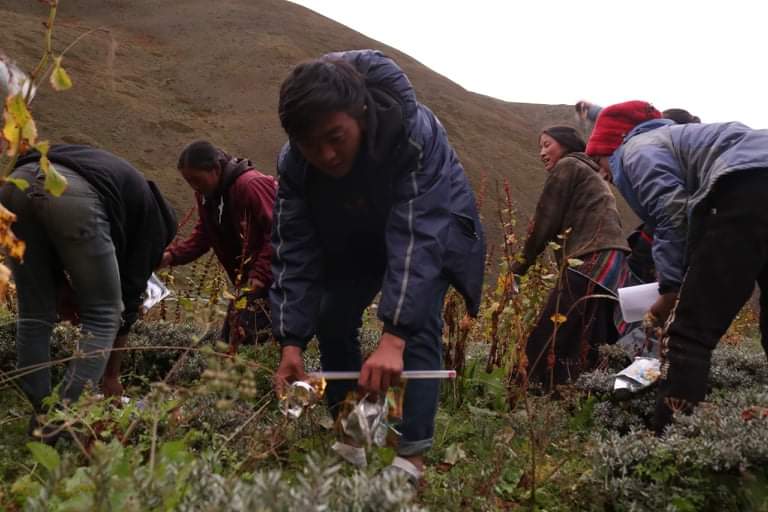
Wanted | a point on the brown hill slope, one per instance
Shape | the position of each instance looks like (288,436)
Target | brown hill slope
(202,69)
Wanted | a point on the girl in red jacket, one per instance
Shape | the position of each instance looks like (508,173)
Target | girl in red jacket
(234,204)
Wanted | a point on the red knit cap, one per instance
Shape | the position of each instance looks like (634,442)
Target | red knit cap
(615,122)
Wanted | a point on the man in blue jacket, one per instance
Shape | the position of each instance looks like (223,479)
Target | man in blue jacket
(702,188)
(372,198)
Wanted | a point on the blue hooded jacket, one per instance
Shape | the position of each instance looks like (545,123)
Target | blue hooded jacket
(666,171)
(406,210)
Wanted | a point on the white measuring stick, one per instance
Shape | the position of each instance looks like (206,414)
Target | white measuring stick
(415,374)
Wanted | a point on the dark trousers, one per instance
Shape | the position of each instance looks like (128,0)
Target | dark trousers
(341,309)
(727,259)
(68,234)
(588,325)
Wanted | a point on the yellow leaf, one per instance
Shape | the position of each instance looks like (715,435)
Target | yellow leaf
(55,183)
(5,277)
(60,80)
(574,262)
(19,128)
(8,240)
(558,318)
(21,183)
(241,303)
(43,146)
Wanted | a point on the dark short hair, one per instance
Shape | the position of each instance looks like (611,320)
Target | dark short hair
(202,155)
(317,88)
(680,116)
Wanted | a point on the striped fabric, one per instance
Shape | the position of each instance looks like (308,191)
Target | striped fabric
(609,271)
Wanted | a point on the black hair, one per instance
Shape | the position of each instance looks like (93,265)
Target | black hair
(680,116)
(317,88)
(569,138)
(202,155)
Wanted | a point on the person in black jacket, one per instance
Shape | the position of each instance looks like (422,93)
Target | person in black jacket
(102,237)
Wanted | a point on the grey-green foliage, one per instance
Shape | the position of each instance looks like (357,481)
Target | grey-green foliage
(119,478)
(319,487)
(145,362)
(714,459)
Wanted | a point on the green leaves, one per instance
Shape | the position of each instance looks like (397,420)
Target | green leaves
(60,80)
(45,455)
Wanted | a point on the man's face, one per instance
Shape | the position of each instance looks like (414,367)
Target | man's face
(202,181)
(605,168)
(332,145)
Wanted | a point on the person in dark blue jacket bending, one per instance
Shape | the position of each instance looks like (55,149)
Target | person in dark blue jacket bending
(371,198)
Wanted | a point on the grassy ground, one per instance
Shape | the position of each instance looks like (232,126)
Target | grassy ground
(576,452)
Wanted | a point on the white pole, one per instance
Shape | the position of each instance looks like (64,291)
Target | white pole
(415,374)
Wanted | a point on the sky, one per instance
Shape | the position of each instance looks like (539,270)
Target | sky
(708,57)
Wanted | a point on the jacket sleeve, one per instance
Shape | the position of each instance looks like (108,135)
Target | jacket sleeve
(416,230)
(255,204)
(151,231)
(549,217)
(656,181)
(194,246)
(297,266)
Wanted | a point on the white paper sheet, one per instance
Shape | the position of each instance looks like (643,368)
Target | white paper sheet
(635,301)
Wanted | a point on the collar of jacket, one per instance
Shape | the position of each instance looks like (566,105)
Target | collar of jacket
(646,127)
(582,157)
(385,125)
(231,171)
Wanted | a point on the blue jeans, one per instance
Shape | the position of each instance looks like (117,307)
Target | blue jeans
(67,235)
(341,310)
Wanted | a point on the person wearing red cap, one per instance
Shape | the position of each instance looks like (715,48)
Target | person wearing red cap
(702,188)
(574,200)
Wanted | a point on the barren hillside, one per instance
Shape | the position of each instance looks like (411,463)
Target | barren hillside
(170,72)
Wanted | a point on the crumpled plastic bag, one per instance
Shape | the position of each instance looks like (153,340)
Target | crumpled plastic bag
(299,396)
(640,375)
(366,424)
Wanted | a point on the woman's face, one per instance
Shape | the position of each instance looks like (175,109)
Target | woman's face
(202,181)
(550,151)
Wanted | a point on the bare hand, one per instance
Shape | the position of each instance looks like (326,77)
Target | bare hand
(664,306)
(382,369)
(582,107)
(256,285)
(291,369)
(166,260)
(111,386)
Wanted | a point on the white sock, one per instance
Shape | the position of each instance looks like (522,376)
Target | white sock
(414,473)
(352,454)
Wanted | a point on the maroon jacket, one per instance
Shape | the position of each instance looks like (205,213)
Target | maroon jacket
(239,213)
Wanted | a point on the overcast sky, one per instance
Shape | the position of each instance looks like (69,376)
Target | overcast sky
(705,56)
